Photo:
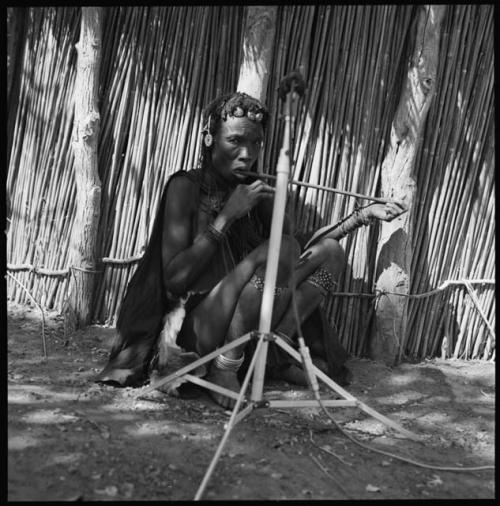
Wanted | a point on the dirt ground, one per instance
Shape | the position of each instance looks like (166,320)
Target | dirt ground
(71,439)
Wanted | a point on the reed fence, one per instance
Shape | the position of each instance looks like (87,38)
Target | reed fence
(161,65)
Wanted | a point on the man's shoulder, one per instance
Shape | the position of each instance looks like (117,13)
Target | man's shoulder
(193,174)
(185,178)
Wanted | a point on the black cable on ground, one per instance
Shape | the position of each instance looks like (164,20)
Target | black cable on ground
(308,367)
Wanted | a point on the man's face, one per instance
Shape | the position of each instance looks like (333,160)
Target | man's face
(236,146)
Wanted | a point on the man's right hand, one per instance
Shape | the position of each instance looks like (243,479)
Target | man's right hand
(245,197)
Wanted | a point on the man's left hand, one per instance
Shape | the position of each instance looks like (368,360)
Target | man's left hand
(387,212)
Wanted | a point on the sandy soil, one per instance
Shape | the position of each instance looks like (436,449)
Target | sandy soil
(71,439)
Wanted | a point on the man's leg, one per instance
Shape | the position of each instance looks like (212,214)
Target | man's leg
(232,309)
(314,279)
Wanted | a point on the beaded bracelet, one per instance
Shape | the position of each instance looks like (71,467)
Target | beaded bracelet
(322,279)
(365,219)
(354,221)
(214,235)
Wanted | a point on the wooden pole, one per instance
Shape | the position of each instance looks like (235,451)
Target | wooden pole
(398,181)
(16,28)
(88,184)
(258,41)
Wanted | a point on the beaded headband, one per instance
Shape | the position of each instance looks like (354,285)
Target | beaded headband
(254,112)
(238,112)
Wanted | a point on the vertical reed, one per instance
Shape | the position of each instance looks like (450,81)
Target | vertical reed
(162,65)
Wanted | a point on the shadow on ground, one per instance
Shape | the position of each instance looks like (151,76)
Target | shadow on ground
(71,439)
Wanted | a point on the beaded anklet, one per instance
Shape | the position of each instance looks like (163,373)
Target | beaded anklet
(224,363)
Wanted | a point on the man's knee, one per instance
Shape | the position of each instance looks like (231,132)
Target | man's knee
(290,249)
(333,256)
(288,255)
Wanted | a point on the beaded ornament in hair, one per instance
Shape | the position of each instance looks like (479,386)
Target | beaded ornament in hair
(231,105)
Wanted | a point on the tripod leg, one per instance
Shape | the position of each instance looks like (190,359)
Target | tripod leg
(211,386)
(243,339)
(320,374)
(344,393)
(230,423)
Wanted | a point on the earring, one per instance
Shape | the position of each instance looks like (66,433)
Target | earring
(208,140)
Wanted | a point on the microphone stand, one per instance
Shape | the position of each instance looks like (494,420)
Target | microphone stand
(278,216)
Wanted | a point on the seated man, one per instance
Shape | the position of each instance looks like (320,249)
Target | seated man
(208,253)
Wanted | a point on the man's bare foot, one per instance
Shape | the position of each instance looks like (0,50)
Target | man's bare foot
(296,375)
(226,379)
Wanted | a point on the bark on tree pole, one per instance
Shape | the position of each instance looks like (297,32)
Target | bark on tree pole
(258,41)
(394,248)
(260,29)
(88,184)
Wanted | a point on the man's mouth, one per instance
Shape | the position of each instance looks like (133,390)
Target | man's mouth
(241,171)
